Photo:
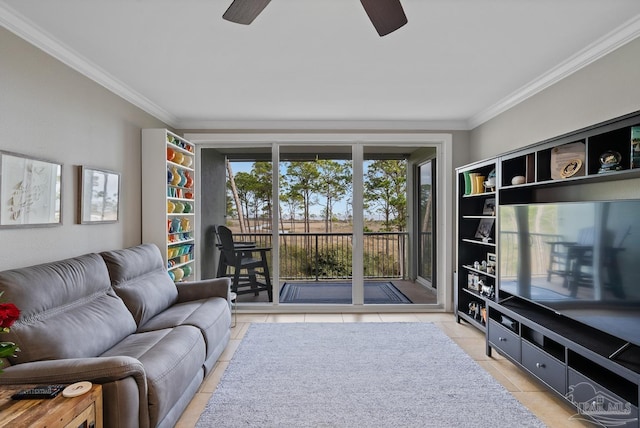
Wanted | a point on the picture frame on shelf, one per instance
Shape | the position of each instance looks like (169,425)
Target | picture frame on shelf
(635,147)
(568,160)
(492,259)
(489,206)
(99,200)
(472,282)
(492,262)
(484,229)
(30,191)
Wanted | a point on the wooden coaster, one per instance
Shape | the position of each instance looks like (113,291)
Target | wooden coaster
(76,389)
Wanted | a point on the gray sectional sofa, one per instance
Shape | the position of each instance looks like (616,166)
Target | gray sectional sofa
(117,319)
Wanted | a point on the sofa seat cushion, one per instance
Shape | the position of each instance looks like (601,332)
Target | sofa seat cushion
(68,310)
(210,316)
(172,359)
(139,277)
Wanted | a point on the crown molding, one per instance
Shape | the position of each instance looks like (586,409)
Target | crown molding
(622,35)
(325,125)
(23,28)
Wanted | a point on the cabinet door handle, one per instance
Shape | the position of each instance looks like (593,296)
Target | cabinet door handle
(502,339)
(540,365)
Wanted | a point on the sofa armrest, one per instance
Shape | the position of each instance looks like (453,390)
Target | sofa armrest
(120,376)
(97,370)
(203,289)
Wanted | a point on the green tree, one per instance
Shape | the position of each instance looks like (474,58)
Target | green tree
(247,186)
(292,201)
(302,179)
(334,183)
(385,191)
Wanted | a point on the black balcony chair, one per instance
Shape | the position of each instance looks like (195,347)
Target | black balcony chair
(246,262)
(573,261)
(222,261)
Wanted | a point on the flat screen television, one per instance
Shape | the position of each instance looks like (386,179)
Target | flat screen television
(579,259)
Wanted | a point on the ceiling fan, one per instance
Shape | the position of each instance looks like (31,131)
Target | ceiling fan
(385,15)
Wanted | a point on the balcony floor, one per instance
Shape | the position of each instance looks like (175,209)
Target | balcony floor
(417,293)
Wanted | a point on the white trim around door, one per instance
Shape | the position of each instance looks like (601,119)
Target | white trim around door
(442,142)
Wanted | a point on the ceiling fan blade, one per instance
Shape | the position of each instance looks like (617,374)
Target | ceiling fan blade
(244,11)
(385,15)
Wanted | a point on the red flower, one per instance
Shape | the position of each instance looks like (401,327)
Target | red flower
(9,313)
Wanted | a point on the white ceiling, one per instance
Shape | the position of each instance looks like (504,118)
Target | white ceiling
(456,64)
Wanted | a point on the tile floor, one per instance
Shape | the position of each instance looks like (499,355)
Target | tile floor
(553,411)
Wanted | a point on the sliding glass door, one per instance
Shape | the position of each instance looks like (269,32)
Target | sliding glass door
(346,223)
(316,224)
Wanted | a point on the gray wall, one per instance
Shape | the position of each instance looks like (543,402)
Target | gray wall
(212,213)
(460,155)
(49,111)
(605,89)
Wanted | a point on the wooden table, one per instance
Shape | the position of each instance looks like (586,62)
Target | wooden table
(82,411)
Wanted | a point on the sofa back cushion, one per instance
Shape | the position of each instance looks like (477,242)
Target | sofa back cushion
(139,277)
(67,310)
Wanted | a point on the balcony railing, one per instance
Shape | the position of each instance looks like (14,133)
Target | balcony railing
(540,253)
(316,256)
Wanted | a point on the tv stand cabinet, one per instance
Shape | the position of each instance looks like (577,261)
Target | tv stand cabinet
(575,361)
(595,371)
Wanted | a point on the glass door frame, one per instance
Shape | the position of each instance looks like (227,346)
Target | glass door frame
(443,145)
(415,165)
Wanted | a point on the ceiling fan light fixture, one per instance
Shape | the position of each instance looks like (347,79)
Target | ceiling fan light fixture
(244,11)
(385,15)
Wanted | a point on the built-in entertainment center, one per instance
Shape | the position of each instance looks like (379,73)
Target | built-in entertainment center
(548,264)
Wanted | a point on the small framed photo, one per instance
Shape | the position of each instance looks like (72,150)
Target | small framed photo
(472,282)
(635,147)
(484,229)
(30,191)
(491,259)
(489,206)
(99,196)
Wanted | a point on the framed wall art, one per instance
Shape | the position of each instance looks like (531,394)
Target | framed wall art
(30,191)
(99,196)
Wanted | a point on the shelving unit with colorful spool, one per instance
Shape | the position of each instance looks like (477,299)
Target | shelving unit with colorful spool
(169,200)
